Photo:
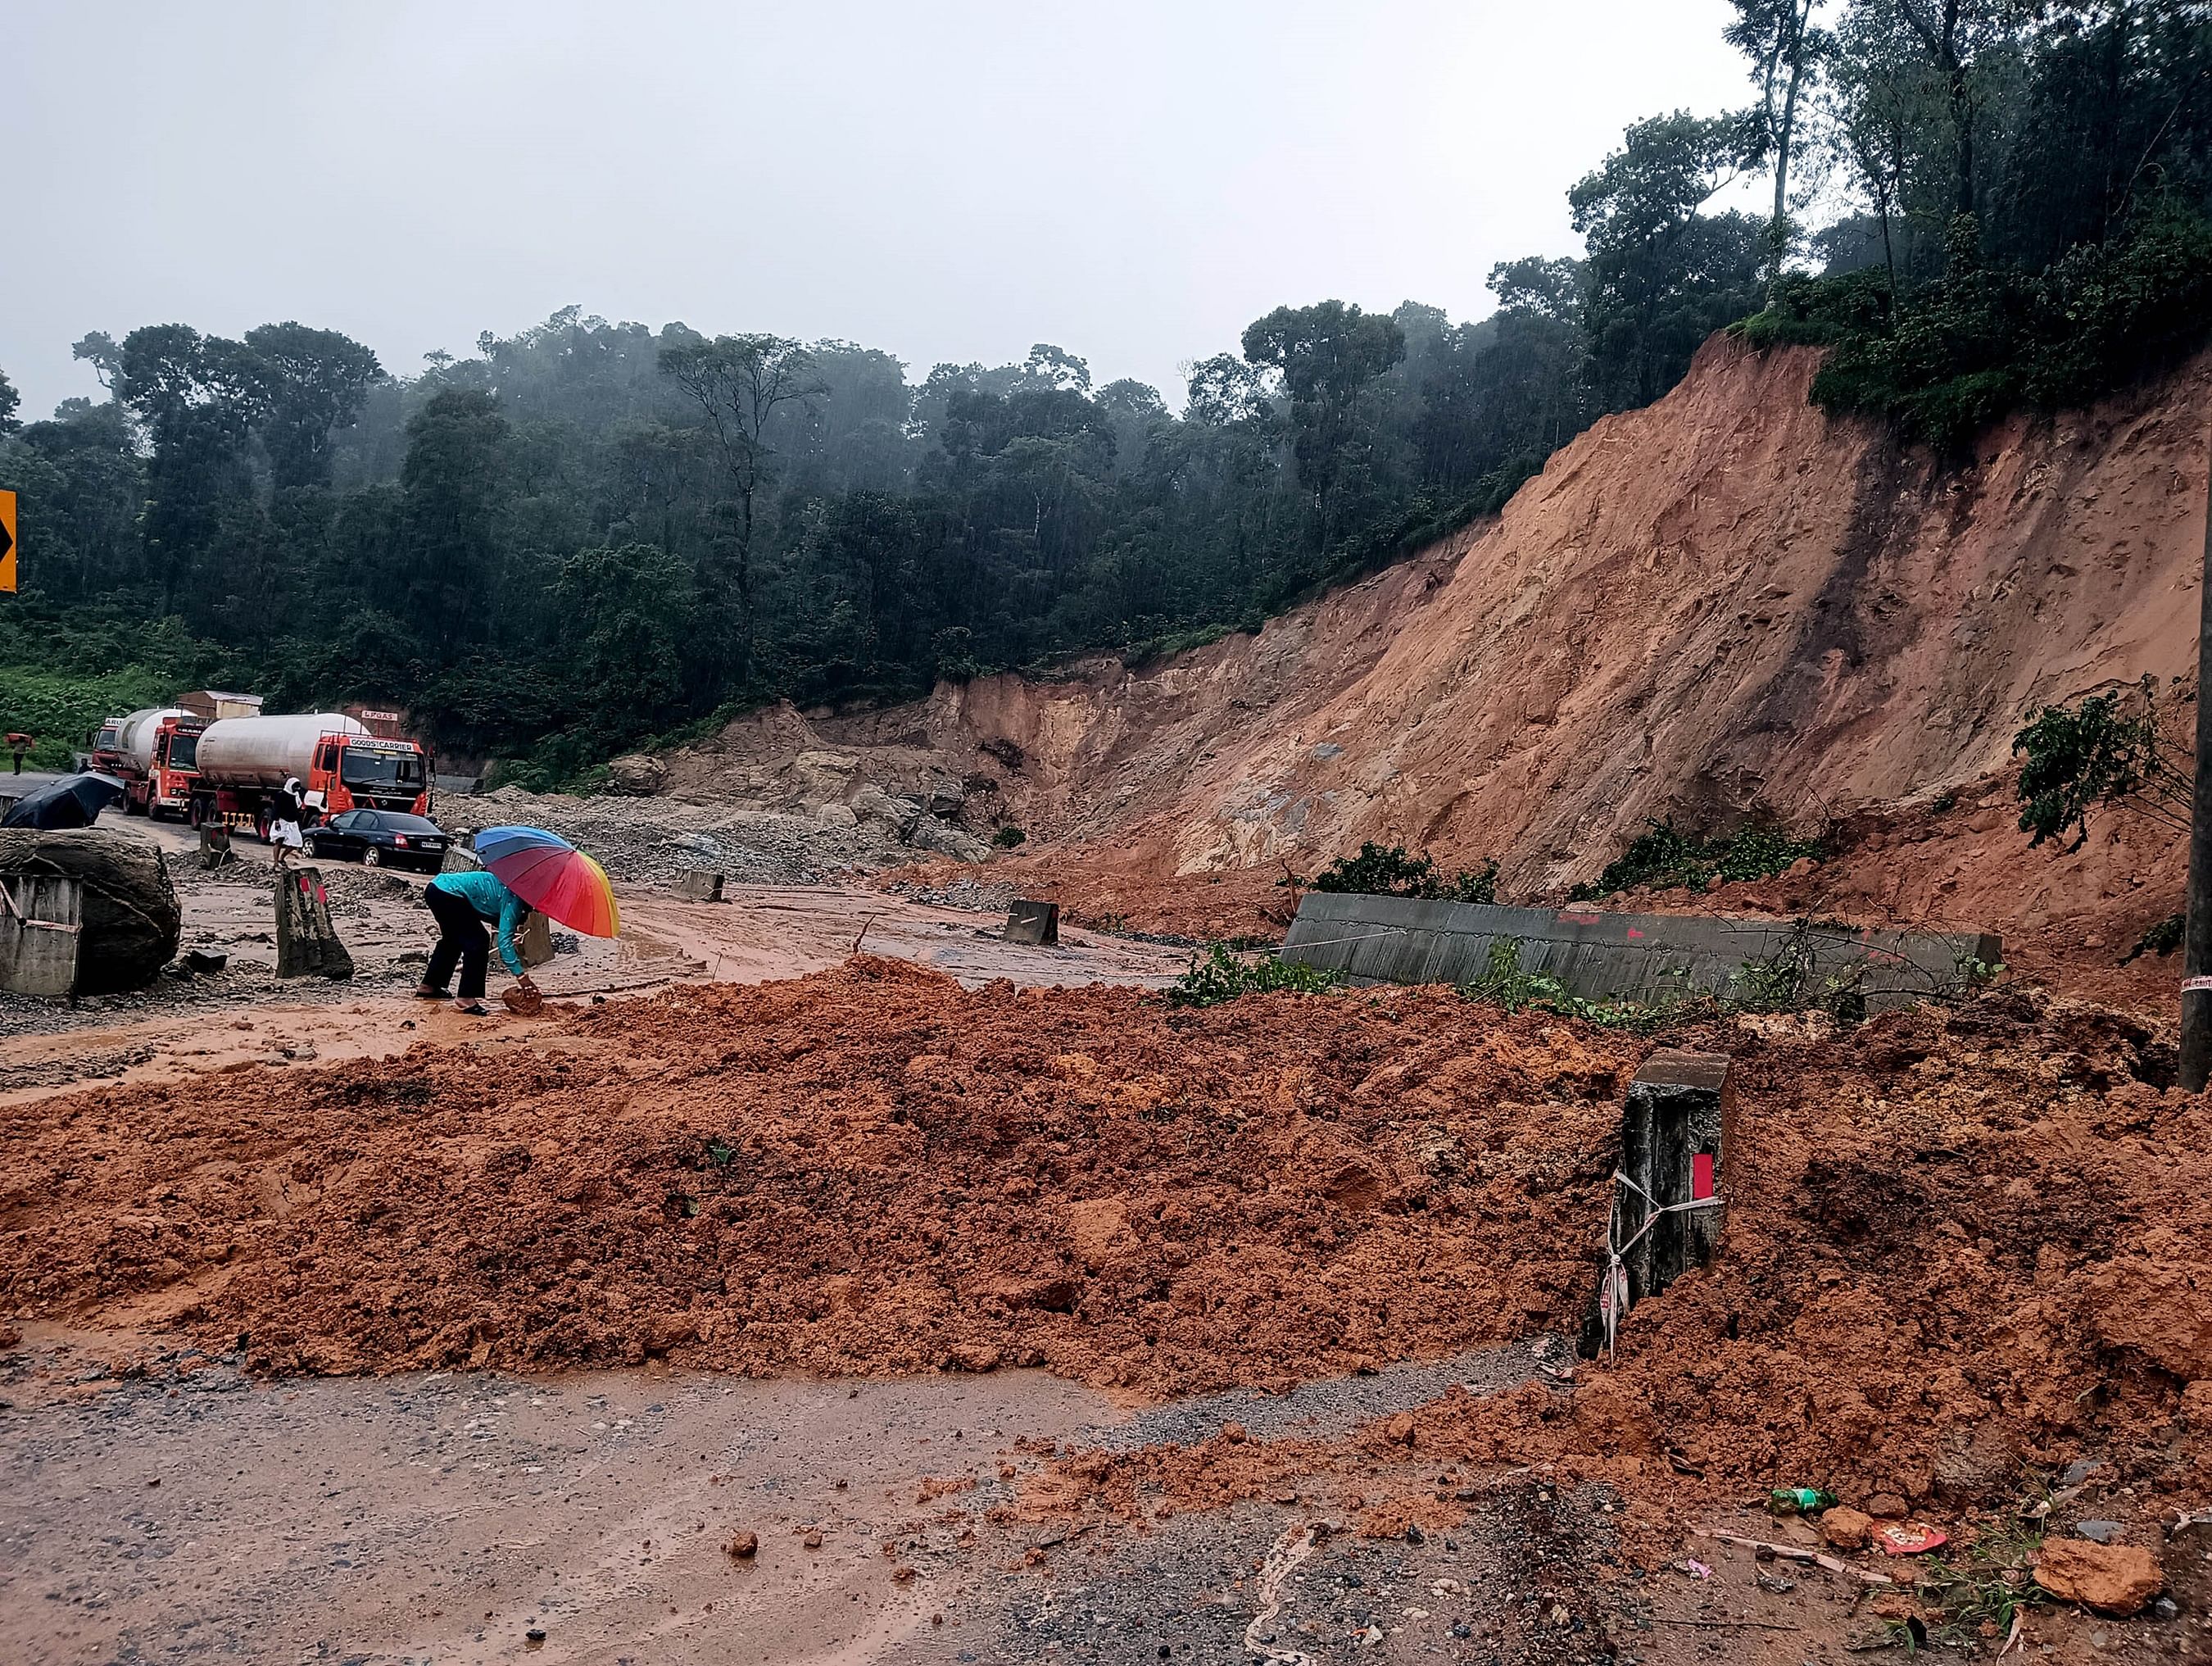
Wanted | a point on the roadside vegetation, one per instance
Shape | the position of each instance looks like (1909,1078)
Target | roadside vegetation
(2031,187)
(1663,858)
(1217,973)
(1389,871)
(2103,752)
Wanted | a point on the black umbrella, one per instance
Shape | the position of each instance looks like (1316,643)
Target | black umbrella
(72,801)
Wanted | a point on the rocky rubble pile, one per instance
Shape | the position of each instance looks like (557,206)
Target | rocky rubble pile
(649,841)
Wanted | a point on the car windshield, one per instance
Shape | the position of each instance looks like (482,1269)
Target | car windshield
(381,769)
(184,752)
(413,824)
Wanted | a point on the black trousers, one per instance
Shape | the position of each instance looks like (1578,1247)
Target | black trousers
(462,937)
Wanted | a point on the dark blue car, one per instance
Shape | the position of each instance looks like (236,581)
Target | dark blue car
(381,838)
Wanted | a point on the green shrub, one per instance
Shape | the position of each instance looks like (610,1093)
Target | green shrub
(2161,940)
(1664,858)
(1217,975)
(1502,983)
(1389,871)
(2095,753)
(1009,836)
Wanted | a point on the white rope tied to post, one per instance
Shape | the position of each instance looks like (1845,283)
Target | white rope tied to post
(1613,1292)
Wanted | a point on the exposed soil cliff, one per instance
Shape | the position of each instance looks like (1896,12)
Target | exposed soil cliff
(1723,604)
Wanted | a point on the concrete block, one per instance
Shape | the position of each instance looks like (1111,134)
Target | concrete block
(215,847)
(40,934)
(38,957)
(1034,923)
(699,885)
(307,944)
(1641,957)
(1673,1145)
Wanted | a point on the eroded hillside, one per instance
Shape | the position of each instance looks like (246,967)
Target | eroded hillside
(1723,603)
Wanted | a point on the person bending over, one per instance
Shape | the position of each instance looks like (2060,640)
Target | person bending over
(463,903)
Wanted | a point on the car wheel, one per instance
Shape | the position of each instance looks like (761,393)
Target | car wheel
(372,857)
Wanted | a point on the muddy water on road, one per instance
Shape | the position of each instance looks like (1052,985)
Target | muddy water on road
(243,1015)
(445,1518)
(193,1512)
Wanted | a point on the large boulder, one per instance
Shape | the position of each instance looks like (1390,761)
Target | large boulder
(930,834)
(872,804)
(638,773)
(945,796)
(129,909)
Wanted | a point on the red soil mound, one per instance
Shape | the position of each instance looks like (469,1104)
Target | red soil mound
(870,1170)
(1959,1246)
(1957,1241)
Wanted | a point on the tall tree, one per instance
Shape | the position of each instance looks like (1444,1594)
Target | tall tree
(197,398)
(453,487)
(1955,35)
(1785,49)
(739,384)
(312,383)
(1662,274)
(1329,355)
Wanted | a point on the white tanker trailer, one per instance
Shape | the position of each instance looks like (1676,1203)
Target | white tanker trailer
(151,753)
(253,766)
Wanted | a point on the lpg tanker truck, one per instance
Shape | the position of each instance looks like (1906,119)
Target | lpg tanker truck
(151,753)
(250,766)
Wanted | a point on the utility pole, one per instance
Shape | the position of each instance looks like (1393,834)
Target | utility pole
(2197,955)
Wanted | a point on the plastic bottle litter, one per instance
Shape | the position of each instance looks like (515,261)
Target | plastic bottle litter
(1798,1500)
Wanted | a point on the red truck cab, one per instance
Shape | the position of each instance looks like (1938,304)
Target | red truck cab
(368,772)
(157,764)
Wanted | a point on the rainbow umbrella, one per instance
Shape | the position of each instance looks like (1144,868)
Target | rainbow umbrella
(551,875)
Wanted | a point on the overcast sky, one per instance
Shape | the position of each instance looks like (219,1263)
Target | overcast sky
(1134,181)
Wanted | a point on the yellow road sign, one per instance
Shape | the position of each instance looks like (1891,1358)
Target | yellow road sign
(7,540)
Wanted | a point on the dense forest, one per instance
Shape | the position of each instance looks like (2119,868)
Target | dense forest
(589,533)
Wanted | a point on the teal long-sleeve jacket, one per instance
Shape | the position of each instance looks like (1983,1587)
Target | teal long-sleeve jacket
(493,901)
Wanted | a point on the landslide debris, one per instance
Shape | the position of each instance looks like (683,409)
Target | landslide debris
(1963,1249)
(865,1171)
(1960,1242)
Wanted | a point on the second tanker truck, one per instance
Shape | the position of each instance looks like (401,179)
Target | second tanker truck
(249,766)
(151,753)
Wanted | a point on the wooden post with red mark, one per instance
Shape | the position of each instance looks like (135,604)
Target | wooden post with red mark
(307,944)
(1669,1201)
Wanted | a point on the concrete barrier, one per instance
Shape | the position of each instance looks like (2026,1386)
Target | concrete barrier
(307,944)
(40,934)
(1641,957)
(699,885)
(534,942)
(1036,924)
(1677,1166)
(214,850)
